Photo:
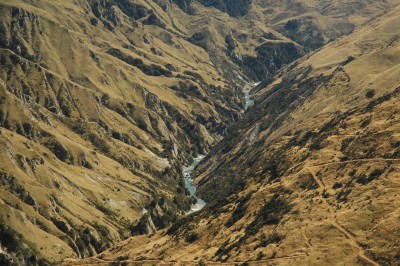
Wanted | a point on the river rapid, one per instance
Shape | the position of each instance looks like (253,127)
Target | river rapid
(187,173)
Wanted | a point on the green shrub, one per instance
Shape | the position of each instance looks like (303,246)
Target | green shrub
(375,174)
(99,143)
(363,179)
(201,263)
(191,237)
(370,94)
(266,240)
(337,185)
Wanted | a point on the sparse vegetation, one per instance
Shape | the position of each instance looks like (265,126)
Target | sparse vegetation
(270,239)
(370,94)
(192,237)
(151,70)
(364,179)
(103,103)
(239,211)
(305,32)
(234,8)
(271,213)
(17,251)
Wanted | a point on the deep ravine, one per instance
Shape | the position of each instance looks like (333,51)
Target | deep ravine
(188,171)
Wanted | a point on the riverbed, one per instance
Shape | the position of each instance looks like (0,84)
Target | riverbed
(249,101)
(247,95)
(187,173)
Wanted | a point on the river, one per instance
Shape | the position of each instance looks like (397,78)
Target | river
(247,96)
(249,101)
(187,173)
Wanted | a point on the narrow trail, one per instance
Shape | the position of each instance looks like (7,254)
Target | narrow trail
(306,239)
(341,162)
(99,261)
(358,160)
(334,222)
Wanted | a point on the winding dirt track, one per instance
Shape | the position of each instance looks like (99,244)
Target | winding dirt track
(356,161)
(98,261)
(306,239)
(333,219)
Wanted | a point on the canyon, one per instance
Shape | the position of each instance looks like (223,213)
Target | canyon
(105,103)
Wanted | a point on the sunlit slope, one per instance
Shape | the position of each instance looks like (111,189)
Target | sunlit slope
(103,102)
(310,175)
(99,110)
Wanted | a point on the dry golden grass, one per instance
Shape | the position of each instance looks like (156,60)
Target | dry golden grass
(88,140)
(342,183)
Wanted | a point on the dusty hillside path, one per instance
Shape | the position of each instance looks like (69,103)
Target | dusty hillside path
(306,239)
(358,160)
(333,219)
(98,261)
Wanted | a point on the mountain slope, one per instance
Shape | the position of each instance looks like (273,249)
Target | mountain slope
(311,173)
(103,102)
(97,116)
(251,38)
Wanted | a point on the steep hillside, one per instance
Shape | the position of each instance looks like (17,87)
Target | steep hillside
(102,102)
(310,176)
(257,37)
(312,23)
